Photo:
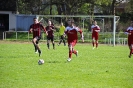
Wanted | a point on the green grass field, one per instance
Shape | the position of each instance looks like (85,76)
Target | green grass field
(105,67)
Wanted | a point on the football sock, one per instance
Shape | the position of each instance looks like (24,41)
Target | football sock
(60,41)
(48,45)
(74,51)
(53,46)
(131,52)
(64,42)
(35,46)
(39,52)
(93,44)
(70,54)
(96,44)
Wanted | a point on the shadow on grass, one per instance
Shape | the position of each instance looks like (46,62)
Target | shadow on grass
(56,62)
(53,62)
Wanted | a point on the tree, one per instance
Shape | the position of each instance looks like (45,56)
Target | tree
(129,9)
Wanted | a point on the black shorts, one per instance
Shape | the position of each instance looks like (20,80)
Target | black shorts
(62,37)
(38,38)
(50,38)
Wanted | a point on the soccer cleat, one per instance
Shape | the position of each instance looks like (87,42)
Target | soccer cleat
(93,48)
(69,59)
(39,51)
(76,53)
(129,56)
(36,51)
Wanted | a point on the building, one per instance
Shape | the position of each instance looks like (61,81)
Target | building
(8,10)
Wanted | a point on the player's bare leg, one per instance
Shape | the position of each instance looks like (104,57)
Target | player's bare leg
(36,45)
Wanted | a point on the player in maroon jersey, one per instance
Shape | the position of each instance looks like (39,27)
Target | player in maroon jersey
(95,30)
(72,37)
(50,29)
(129,32)
(36,30)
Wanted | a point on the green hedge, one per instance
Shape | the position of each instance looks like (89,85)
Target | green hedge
(87,36)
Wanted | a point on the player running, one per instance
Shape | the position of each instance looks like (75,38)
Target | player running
(129,32)
(72,37)
(61,32)
(36,28)
(50,29)
(95,30)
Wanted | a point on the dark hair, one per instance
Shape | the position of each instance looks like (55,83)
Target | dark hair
(71,20)
(34,18)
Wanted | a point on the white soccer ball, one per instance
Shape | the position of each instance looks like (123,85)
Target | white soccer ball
(40,61)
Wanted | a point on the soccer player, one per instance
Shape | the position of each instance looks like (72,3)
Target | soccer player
(50,30)
(95,30)
(36,28)
(72,37)
(129,32)
(61,33)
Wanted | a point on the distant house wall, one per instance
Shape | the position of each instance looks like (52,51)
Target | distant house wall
(19,22)
(24,22)
(12,19)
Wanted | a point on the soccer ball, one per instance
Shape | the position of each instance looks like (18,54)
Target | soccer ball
(40,61)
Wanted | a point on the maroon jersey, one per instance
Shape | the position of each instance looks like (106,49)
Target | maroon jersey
(93,27)
(37,29)
(71,33)
(94,33)
(130,37)
(50,31)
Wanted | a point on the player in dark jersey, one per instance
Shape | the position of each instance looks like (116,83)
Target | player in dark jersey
(36,30)
(50,30)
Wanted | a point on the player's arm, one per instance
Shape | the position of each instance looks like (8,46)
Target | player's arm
(98,29)
(64,32)
(92,28)
(44,29)
(81,33)
(31,29)
(52,28)
(128,32)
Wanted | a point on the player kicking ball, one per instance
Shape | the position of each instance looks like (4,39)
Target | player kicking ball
(36,28)
(71,31)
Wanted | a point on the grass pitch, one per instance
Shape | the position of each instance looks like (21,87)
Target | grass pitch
(105,67)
